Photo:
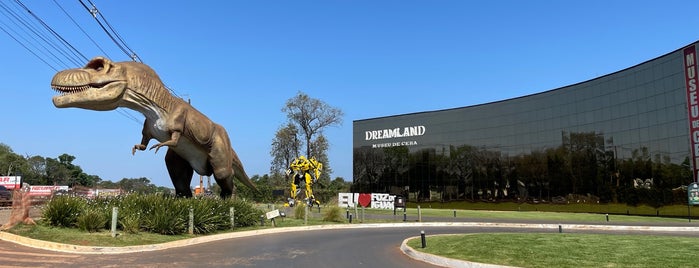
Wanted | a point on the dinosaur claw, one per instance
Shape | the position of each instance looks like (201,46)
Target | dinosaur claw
(156,147)
(139,147)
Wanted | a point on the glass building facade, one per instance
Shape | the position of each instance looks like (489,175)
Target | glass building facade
(605,139)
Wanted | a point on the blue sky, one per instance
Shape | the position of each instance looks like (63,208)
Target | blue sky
(239,61)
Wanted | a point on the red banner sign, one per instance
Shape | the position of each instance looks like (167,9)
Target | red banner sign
(11,182)
(45,190)
(690,75)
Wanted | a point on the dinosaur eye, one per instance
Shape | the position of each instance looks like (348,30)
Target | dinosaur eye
(96,64)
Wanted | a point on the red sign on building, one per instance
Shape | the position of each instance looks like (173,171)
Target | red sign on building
(690,74)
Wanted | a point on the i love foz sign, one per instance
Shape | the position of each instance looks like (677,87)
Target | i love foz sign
(374,200)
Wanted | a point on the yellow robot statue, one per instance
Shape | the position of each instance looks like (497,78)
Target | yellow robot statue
(304,171)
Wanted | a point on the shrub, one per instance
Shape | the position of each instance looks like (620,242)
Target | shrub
(63,211)
(245,213)
(333,213)
(299,211)
(130,223)
(151,213)
(209,215)
(166,216)
(104,206)
(92,219)
(130,213)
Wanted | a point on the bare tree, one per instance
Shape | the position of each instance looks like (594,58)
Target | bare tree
(311,116)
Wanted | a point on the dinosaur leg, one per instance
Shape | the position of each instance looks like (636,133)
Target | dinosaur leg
(226,186)
(224,178)
(221,158)
(180,173)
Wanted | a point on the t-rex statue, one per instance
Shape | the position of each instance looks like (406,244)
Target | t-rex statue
(195,143)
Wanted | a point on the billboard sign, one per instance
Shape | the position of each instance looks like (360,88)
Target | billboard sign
(392,137)
(45,190)
(367,200)
(690,75)
(693,194)
(11,182)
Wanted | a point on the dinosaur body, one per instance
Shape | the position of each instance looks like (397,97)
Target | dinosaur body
(194,142)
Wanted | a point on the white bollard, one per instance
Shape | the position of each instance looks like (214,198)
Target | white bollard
(115,214)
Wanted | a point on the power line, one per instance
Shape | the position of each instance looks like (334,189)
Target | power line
(81,29)
(52,45)
(118,40)
(30,51)
(55,34)
(120,43)
(24,24)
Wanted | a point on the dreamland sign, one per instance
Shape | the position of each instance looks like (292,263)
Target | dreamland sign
(374,200)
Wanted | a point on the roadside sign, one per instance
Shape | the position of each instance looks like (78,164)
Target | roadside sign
(273,214)
(693,193)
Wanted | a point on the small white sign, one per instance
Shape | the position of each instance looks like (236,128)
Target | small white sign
(272,214)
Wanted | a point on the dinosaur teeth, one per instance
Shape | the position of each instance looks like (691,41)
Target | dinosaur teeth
(70,89)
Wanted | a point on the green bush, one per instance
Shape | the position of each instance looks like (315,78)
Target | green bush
(102,207)
(334,214)
(209,215)
(63,211)
(245,213)
(166,216)
(130,216)
(150,213)
(92,219)
(130,223)
(300,211)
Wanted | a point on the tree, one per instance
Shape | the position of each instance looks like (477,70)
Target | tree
(338,185)
(10,162)
(56,172)
(319,150)
(308,117)
(140,185)
(263,193)
(36,173)
(311,116)
(62,171)
(285,147)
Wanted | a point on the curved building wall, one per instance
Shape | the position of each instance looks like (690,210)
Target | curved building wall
(639,113)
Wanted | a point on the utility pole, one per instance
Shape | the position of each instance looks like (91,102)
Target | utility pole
(208,183)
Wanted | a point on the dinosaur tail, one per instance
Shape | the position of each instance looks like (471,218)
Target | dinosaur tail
(243,177)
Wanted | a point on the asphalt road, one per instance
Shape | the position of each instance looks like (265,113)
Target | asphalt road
(367,246)
(370,247)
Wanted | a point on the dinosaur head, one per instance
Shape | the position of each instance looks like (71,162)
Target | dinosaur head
(99,86)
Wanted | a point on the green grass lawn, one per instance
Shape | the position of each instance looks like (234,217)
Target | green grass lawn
(74,236)
(565,250)
(679,211)
(530,215)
